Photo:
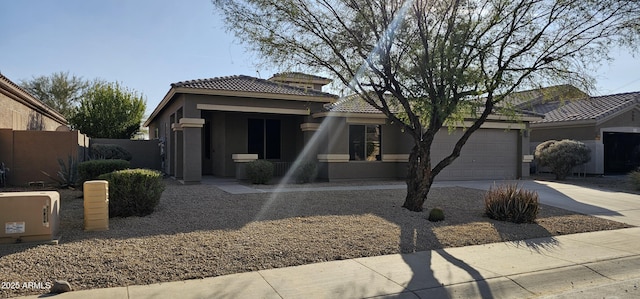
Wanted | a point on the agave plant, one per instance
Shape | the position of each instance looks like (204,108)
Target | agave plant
(68,173)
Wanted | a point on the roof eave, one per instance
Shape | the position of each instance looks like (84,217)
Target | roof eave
(246,94)
(347,114)
(260,95)
(160,106)
(565,123)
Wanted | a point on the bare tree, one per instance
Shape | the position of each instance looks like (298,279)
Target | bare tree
(427,64)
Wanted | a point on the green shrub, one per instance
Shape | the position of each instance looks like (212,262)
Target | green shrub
(68,173)
(101,151)
(260,171)
(305,172)
(92,169)
(436,214)
(634,178)
(510,203)
(133,192)
(562,156)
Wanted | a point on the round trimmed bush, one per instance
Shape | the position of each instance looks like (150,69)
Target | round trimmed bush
(436,214)
(133,192)
(562,156)
(260,171)
(305,172)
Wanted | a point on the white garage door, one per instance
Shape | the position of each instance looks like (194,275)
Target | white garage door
(488,154)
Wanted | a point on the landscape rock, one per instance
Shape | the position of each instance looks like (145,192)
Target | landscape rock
(60,286)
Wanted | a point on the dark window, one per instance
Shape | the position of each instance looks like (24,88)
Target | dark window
(272,139)
(206,139)
(256,137)
(264,138)
(364,142)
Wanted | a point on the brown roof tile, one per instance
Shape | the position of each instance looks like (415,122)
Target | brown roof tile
(244,83)
(592,108)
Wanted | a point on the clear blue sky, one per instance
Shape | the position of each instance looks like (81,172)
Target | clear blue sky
(149,44)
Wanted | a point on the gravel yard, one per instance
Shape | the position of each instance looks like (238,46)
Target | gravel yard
(199,231)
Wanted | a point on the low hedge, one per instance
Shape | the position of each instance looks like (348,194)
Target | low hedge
(133,192)
(260,171)
(92,169)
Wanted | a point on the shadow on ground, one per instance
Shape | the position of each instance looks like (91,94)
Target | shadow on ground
(248,232)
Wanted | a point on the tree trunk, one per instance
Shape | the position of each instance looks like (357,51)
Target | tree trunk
(419,179)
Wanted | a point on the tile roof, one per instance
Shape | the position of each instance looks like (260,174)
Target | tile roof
(353,104)
(244,83)
(590,108)
(528,98)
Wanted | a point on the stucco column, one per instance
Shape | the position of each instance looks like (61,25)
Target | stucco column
(308,132)
(192,149)
(177,156)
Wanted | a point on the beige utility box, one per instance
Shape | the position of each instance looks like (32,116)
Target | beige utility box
(96,205)
(29,216)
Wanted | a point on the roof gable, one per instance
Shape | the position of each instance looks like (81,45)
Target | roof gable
(241,86)
(591,108)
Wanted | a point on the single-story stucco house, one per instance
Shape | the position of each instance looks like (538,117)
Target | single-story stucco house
(609,125)
(213,126)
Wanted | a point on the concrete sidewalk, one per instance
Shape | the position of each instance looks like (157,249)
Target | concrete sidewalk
(572,266)
(526,269)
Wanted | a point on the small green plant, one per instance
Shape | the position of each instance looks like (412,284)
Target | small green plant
(102,151)
(68,173)
(305,172)
(90,170)
(510,203)
(260,171)
(634,179)
(436,214)
(133,192)
(562,156)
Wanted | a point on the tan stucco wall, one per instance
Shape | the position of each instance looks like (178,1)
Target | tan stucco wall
(488,154)
(17,116)
(144,153)
(541,134)
(629,118)
(37,151)
(193,100)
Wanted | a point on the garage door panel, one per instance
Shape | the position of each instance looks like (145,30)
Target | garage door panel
(488,154)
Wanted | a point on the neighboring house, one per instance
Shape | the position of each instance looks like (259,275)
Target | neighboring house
(214,126)
(33,136)
(21,111)
(609,125)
